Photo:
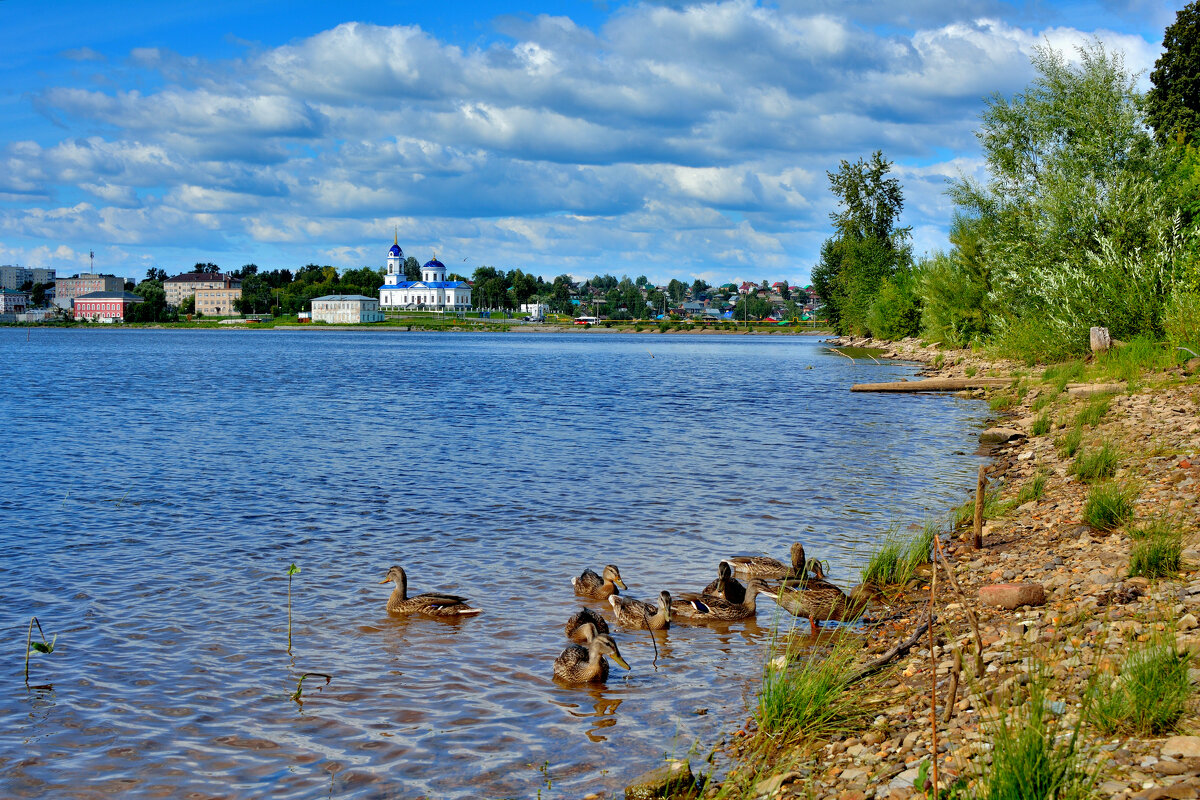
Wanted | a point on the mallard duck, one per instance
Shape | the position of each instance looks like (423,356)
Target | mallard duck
(813,577)
(432,604)
(726,586)
(585,616)
(766,567)
(822,601)
(708,608)
(589,584)
(579,664)
(640,615)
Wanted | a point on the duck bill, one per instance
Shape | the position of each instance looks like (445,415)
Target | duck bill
(620,583)
(385,580)
(622,663)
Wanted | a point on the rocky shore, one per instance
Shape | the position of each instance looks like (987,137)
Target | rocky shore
(1082,612)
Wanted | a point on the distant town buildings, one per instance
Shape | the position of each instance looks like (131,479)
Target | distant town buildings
(186,285)
(217,302)
(13,301)
(15,277)
(346,309)
(432,291)
(67,289)
(104,306)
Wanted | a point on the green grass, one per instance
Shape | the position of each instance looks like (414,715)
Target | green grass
(993,507)
(1035,755)
(809,697)
(1157,550)
(1093,464)
(1033,489)
(1044,399)
(1109,505)
(1148,697)
(1041,425)
(1002,401)
(1094,411)
(896,561)
(1061,374)
(971,371)
(1135,359)
(1068,443)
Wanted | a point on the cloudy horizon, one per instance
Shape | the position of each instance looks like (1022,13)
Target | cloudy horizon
(687,140)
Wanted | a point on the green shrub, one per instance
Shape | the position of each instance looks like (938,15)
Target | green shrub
(1181,320)
(1092,465)
(971,371)
(1002,401)
(1041,425)
(1148,697)
(895,313)
(954,290)
(1109,505)
(1094,411)
(1068,444)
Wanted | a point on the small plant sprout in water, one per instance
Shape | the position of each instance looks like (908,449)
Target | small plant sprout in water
(298,695)
(292,570)
(37,647)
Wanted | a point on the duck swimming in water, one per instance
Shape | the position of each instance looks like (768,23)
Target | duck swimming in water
(640,615)
(431,604)
(578,664)
(597,587)
(701,608)
(726,586)
(576,629)
(768,568)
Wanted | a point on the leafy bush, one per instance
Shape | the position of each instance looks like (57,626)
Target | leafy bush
(954,290)
(1148,697)
(895,312)
(1109,506)
(1181,320)
(1091,465)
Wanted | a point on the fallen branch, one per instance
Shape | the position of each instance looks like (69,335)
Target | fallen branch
(900,649)
(933,385)
(938,554)
(952,692)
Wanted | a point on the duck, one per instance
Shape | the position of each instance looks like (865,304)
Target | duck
(699,608)
(589,584)
(766,567)
(640,615)
(726,586)
(576,627)
(822,601)
(431,604)
(579,664)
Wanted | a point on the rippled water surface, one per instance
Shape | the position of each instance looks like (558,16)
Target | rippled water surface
(158,484)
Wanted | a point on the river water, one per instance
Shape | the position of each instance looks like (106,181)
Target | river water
(159,483)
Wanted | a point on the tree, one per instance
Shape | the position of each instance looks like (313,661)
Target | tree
(153,308)
(205,267)
(867,248)
(677,290)
(1173,104)
(560,296)
(412,269)
(753,306)
(642,281)
(129,286)
(698,288)
(1074,228)
(37,295)
(256,295)
(156,274)
(524,286)
(188,306)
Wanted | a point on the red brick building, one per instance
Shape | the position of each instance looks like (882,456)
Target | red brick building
(104,306)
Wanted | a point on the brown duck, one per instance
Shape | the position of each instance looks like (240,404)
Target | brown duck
(726,586)
(431,604)
(575,626)
(767,568)
(578,664)
(597,587)
(640,615)
(700,608)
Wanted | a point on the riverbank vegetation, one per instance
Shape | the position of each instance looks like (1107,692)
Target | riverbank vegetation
(1088,214)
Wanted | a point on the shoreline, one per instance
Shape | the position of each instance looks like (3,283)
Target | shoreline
(1093,614)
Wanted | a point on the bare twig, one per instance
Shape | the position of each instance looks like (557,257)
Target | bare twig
(952,697)
(980,487)
(898,650)
(937,547)
(933,750)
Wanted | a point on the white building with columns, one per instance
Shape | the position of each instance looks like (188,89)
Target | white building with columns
(433,291)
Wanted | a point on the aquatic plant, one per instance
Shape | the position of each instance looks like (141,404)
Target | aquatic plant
(37,647)
(292,570)
(298,695)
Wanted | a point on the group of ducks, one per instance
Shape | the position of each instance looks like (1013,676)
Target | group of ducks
(799,587)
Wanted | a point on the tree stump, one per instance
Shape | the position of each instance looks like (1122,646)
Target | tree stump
(1101,340)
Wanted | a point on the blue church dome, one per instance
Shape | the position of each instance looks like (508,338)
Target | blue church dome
(396,251)
(435,264)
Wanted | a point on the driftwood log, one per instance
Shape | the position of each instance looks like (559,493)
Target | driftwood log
(933,385)
(901,648)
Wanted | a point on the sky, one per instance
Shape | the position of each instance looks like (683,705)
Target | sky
(672,140)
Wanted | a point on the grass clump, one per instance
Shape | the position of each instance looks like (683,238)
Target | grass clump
(1068,444)
(1034,753)
(1109,506)
(896,561)
(1060,375)
(1041,425)
(1157,550)
(1148,696)
(1094,411)
(1090,465)
(1002,401)
(1034,489)
(1139,356)
(811,697)
(1044,399)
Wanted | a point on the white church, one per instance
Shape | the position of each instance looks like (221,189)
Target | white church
(433,291)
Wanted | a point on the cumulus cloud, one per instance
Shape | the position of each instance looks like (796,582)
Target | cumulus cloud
(673,138)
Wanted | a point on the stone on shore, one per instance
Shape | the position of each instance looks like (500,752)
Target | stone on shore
(1182,747)
(1000,435)
(1089,389)
(1011,596)
(673,780)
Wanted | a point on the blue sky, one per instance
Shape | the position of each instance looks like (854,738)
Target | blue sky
(665,139)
